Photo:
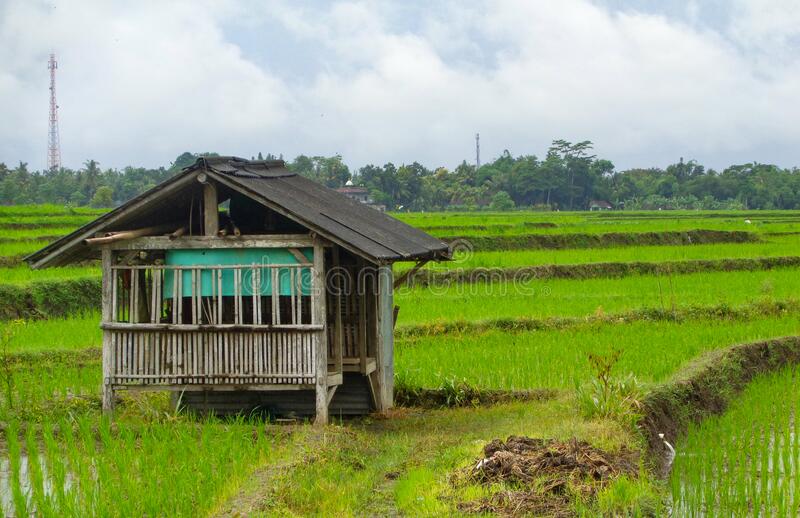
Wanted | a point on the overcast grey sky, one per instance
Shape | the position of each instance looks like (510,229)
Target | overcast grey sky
(648,81)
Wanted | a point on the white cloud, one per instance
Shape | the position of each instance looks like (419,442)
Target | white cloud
(135,83)
(143,83)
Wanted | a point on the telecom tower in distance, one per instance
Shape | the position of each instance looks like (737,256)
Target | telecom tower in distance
(477,151)
(53,145)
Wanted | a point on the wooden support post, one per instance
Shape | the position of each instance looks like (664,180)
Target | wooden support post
(318,292)
(210,209)
(338,330)
(107,316)
(384,350)
(409,274)
(363,290)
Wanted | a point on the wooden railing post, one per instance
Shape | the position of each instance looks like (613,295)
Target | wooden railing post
(107,316)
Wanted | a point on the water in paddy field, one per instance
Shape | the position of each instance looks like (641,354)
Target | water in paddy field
(756,473)
(24,483)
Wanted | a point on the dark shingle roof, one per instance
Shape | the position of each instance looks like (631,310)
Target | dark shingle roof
(353,225)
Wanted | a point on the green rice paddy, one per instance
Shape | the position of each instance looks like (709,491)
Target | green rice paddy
(747,461)
(60,457)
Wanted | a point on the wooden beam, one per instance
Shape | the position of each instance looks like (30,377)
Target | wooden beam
(354,365)
(298,255)
(125,326)
(210,209)
(212,387)
(408,273)
(189,242)
(331,392)
(122,235)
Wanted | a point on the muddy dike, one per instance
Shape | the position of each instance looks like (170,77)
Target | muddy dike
(705,388)
(542,477)
(442,277)
(611,239)
(524,224)
(679,314)
(464,395)
(49,299)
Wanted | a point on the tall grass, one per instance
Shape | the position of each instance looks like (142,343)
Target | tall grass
(66,460)
(23,274)
(525,222)
(77,332)
(747,461)
(18,248)
(47,210)
(575,297)
(774,246)
(652,351)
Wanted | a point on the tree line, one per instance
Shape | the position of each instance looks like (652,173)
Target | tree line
(568,177)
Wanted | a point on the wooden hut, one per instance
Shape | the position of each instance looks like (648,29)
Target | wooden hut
(239,285)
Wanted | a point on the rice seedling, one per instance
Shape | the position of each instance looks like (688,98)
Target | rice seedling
(43,234)
(523,222)
(747,461)
(774,246)
(23,274)
(20,248)
(651,351)
(44,220)
(575,297)
(46,209)
(77,332)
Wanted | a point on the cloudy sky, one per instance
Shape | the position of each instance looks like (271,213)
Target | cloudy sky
(648,81)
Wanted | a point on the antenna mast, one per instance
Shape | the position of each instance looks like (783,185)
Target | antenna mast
(53,145)
(477,151)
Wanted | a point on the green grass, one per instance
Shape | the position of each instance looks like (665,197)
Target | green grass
(60,334)
(402,465)
(773,246)
(652,351)
(23,234)
(572,297)
(19,248)
(747,459)
(35,220)
(522,222)
(47,210)
(23,274)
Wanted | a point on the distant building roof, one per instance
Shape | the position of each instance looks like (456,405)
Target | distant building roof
(600,203)
(351,190)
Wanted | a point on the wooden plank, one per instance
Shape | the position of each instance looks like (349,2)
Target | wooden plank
(108,307)
(210,210)
(213,387)
(195,242)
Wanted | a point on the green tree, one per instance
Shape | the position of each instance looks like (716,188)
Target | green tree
(501,201)
(103,197)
